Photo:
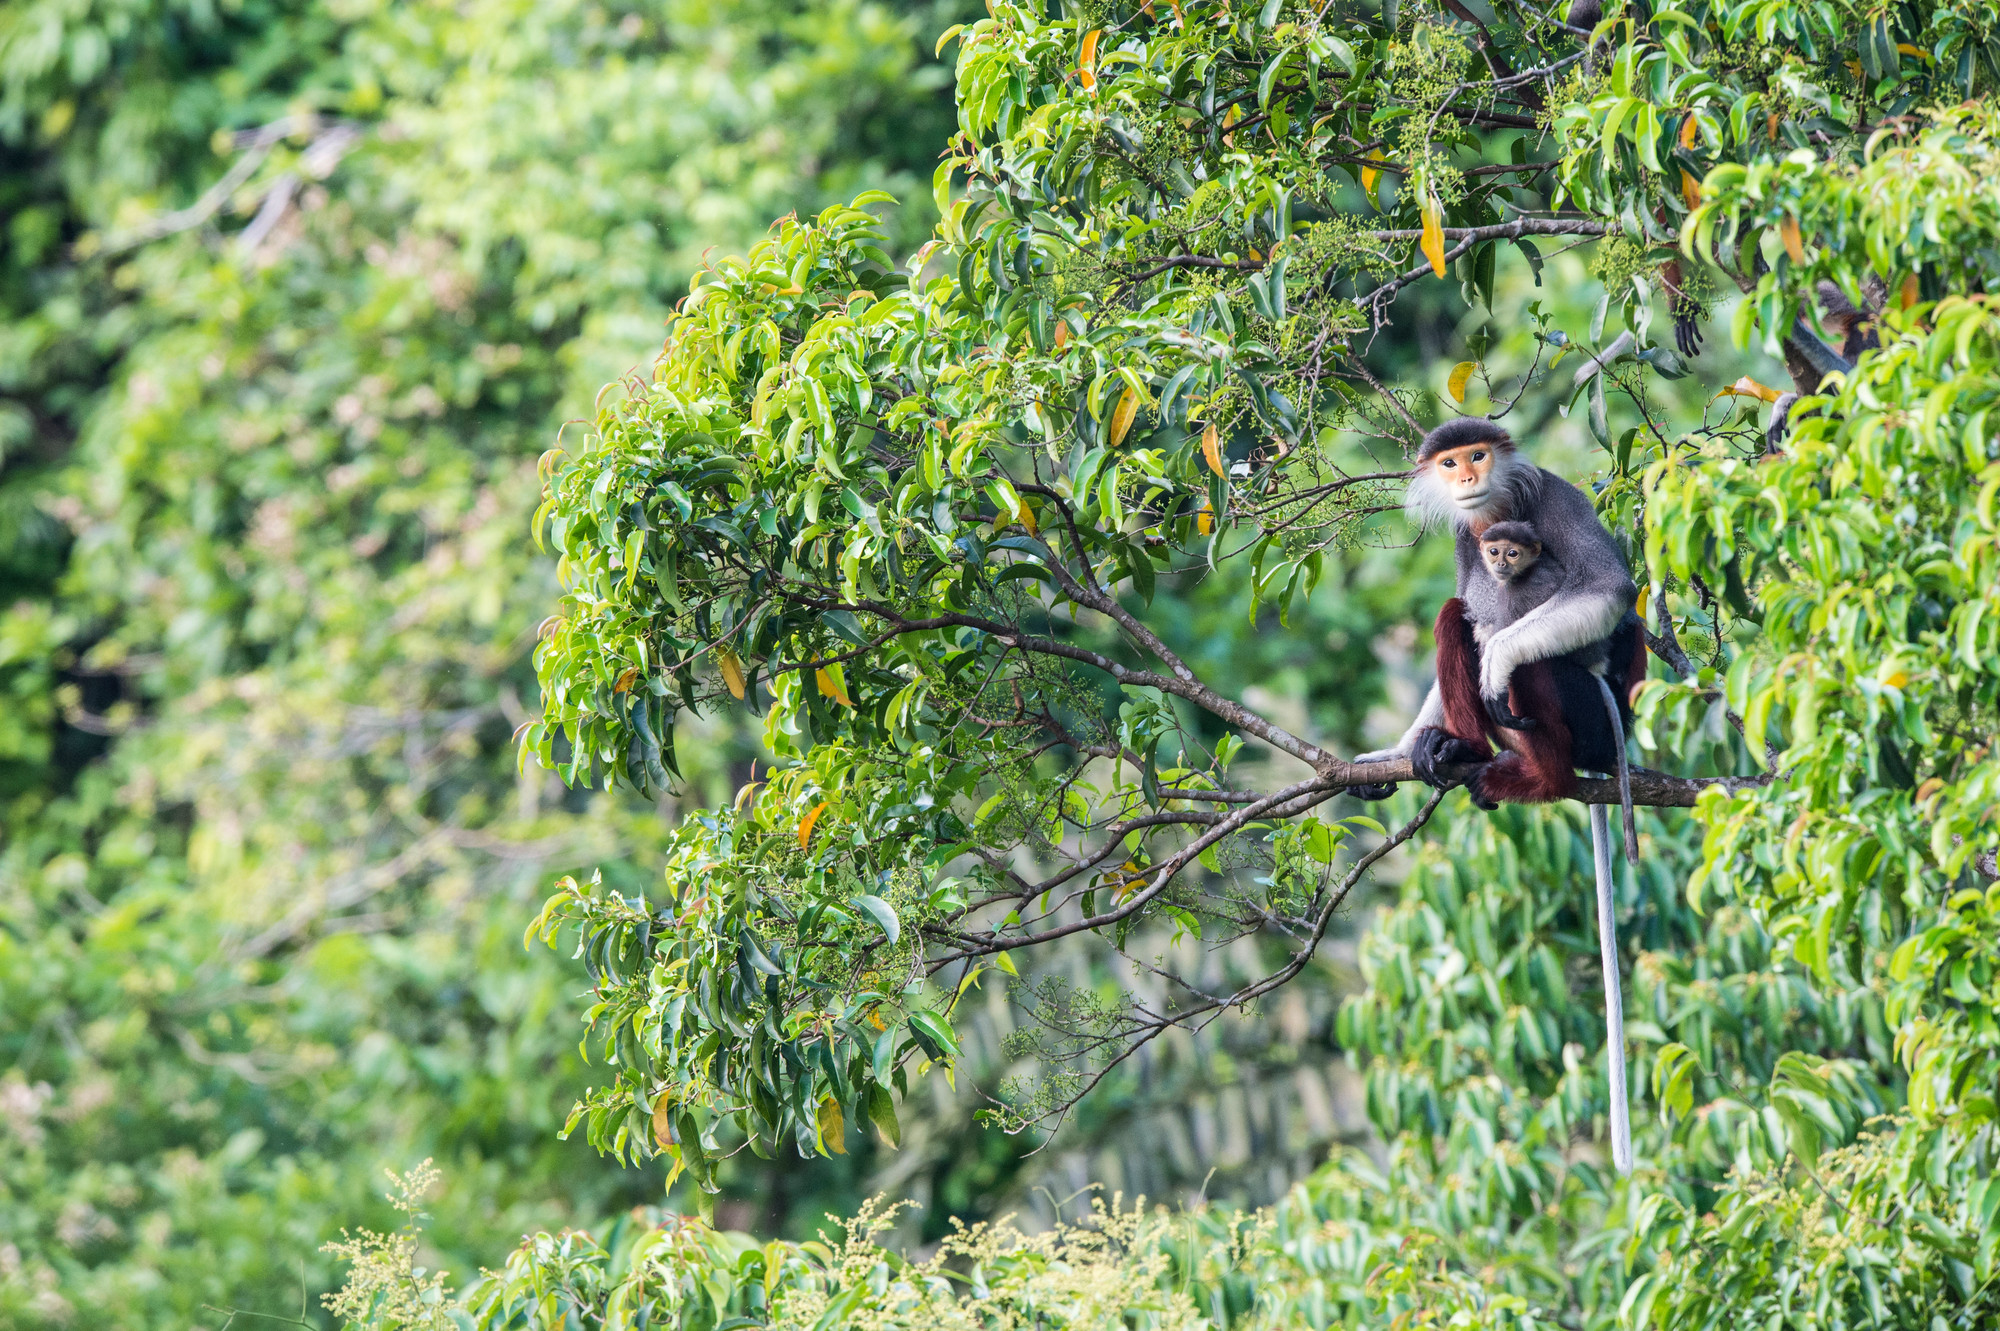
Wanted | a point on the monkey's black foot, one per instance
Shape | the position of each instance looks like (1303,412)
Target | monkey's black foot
(1687,332)
(1373,793)
(1504,717)
(1436,749)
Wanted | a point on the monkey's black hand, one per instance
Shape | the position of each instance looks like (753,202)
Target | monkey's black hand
(1437,749)
(1687,328)
(1504,717)
(1372,793)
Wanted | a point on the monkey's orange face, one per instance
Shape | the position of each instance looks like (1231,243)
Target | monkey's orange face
(1466,474)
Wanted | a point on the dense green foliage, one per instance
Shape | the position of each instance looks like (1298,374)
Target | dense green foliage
(922,520)
(265,601)
(1039,570)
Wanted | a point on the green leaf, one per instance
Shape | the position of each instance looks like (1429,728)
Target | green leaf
(846,625)
(882,1113)
(936,1038)
(753,950)
(883,914)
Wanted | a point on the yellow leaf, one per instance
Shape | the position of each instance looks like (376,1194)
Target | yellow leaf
(1211,449)
(1123,414)
(746,794)
(830,686)
(1204,521)
(1929,788)
(806,823)
(1788,231)
(1126,879)
(1086,65)
(1908,49)
(1690,190)
(663,1128)
(732,671)
(1062,334)
(1026,517)
(1433,241)
(1645,597)
(1369,175)
(1748,387)
(1461,375)
(1006,963)
(1688,130)
(1897,679)
(1771,126)
(624,683)
(1912,291)
(831,1126)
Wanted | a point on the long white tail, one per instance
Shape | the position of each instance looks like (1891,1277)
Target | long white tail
(1624,774)
(1614,999)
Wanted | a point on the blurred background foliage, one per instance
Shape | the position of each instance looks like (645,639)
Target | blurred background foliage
(293,296)
(294,293)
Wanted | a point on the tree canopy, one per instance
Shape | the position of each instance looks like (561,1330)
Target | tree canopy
(920,519)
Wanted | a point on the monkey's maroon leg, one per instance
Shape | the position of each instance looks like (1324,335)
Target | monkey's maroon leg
(1635,670)
(1537,767)
(1458,676)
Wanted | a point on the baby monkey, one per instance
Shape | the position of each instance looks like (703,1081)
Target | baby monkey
(1523,580)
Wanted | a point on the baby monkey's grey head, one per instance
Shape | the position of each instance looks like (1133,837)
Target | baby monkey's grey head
(1510,549)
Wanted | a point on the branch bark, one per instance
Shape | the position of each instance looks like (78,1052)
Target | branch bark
(1654,790)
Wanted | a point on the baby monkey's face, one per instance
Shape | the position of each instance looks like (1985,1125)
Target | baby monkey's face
(1508,560)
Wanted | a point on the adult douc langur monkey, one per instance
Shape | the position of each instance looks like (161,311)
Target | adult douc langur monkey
(1469,473)
(1529,682)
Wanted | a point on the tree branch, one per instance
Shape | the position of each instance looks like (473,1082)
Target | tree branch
(1154,1026)
(254,145)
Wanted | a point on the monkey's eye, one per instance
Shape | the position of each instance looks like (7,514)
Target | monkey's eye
(1450,462)
(1479,456)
